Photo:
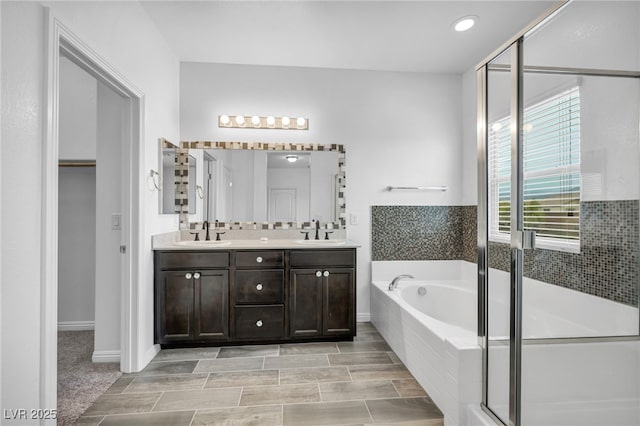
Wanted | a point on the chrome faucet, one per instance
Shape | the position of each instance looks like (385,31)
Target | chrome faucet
(394,283)
(318,230)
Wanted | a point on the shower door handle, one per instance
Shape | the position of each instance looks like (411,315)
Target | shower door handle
(526,240)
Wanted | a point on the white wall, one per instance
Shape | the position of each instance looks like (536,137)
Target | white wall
(123,35)
(397,128)
(78,103)
(76,246)
(21,180)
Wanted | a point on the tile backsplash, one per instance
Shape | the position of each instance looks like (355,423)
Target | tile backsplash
(607,265)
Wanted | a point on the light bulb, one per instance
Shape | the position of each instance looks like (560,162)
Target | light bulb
(224,120)
(286,121)
(291,158)
(300,122)
(240,120)
(255,120)
(465,23)
(271,121)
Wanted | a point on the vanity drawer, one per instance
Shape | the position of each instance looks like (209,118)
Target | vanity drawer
(259,322)
(261,286)
(333,258)
(272,258)
(192,260)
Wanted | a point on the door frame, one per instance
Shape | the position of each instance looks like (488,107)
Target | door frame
(59,39)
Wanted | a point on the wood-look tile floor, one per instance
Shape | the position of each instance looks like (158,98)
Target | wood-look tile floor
(345,383)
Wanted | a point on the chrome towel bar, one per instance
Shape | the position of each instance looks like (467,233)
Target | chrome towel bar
(417,188)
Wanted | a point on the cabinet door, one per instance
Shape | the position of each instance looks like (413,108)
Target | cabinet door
(305,303)
(175,308)
(212,302)
(339,297)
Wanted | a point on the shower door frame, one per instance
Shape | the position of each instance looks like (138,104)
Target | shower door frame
(517,70)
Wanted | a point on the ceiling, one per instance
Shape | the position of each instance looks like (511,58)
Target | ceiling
(412,36)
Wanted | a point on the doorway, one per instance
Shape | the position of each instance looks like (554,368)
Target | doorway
(61,42)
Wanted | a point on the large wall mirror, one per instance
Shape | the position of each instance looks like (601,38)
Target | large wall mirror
(258,185)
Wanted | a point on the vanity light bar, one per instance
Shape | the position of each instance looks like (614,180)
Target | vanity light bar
(256,122)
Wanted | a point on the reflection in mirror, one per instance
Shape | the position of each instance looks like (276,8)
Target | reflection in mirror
(261,186)
(246,184)
(167,177)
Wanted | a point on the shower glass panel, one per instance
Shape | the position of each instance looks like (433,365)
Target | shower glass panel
(569,165)
(498,253)
(581,185)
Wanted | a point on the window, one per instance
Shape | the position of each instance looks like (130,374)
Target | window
(551,173)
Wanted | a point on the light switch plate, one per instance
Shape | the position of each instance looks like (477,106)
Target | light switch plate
(115,221)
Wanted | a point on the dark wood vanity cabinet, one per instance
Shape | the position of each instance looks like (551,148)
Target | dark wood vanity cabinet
(191,297)
(322,293)
(240,296)
(259,295)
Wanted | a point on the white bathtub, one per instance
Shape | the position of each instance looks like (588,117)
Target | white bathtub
(435,336)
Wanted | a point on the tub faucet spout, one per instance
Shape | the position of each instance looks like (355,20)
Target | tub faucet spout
(394,283)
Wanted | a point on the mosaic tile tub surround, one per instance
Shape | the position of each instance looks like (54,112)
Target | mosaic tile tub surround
(423,232)
(607,265)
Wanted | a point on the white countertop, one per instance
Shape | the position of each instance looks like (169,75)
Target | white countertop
(166,244)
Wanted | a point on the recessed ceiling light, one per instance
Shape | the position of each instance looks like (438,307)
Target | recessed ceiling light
(291,158)
(464,23)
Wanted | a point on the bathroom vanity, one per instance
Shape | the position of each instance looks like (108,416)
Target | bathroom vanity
(238,292)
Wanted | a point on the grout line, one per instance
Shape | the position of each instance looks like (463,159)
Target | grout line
(282,412)
(156,403)
(240,397)
(394,386)
(368,411)
(204,385)
(193,417)
(101,420)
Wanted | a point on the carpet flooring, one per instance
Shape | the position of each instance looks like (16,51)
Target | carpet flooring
(80,381)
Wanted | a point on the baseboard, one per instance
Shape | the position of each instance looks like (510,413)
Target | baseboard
(365,317)
(105,356)
(150,355)
(76,325)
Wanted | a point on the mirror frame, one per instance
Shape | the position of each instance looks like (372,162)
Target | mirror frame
(182,182)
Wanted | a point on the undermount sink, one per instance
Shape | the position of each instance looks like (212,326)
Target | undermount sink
(320,242)
(202,243)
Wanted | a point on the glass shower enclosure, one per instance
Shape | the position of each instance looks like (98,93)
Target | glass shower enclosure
(559,219)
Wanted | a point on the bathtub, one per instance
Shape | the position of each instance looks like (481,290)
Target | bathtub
(434,332)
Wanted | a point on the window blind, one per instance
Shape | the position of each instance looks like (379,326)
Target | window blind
(551,172)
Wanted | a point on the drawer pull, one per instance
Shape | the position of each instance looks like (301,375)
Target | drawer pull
(318,274)
(188,275)
(259,259)
(259,323)
(196,275)
(259,287)
(326,273)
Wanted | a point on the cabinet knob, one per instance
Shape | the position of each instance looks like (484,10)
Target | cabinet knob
(326,273)
(188,275)
(258,286)
(259,259)
(259,323)
(318,274)
(196,275)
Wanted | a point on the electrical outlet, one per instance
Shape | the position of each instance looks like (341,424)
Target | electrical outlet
(353,219)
